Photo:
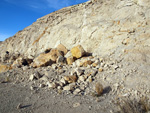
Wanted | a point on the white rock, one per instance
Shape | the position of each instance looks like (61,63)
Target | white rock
(63,81)
(78,63)
(24,68)
(76,91)
(51,85)
(31,78)
(69,87)
(32,88)
(44,78)
(81,78)
(54,66)
(74,64)
(41,85)
(68,54)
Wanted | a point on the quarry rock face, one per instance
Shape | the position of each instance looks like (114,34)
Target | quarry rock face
(116,27)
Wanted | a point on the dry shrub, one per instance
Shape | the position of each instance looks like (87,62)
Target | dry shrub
(133,106)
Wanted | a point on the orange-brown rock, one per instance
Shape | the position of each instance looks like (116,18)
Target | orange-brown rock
(21,61)
(4,68)
(86,63)
(100,69)
(54,54)
(78,51)
(42,60)
(71,79)
(70,60)
(94,64)
(62,48)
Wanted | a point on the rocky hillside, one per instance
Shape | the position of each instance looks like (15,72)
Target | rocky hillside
(91,58)
(102,27)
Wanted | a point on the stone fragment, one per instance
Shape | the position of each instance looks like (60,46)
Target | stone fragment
(37,75)
(54,66)
(54,54)
(44,78)
(19,106)
(70,60)
(115,67)
(76,91)
(79,71)
(68,54)
(81,78)
(32,88)
(70,79)
(86,63)
(52,85)
(19,62)
(42,85)
(62,48)
(4,68)
(89,79)
(94,64)
(42,60)
(100,69)
(78,51)
(25,68)
(69,87)
(63,81)
(32,77)
(61,60)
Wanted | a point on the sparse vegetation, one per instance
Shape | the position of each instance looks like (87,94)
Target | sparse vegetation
(133,106)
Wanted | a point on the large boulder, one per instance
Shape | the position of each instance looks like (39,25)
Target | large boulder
(54,54)
(46,59)
(19,62)
(43,59)
(62,48)
(78,51)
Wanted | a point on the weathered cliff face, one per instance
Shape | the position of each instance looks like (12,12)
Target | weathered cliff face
(112,27)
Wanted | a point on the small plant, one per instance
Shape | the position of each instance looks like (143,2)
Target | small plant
(133,106)
(98,90)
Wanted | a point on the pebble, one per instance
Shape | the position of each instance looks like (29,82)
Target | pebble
(79,71)
(69,87)
(44,78)
(89,79)
(42,85)
(51,85)
(19,106)
(31,78)
(24,68)
(81,78)
(63,81)
(54,66)
(76,91)
(76,105)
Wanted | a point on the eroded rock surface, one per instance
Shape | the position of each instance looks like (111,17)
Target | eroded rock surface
(98,51)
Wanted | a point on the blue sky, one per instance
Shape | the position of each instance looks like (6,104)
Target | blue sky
(15,15)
